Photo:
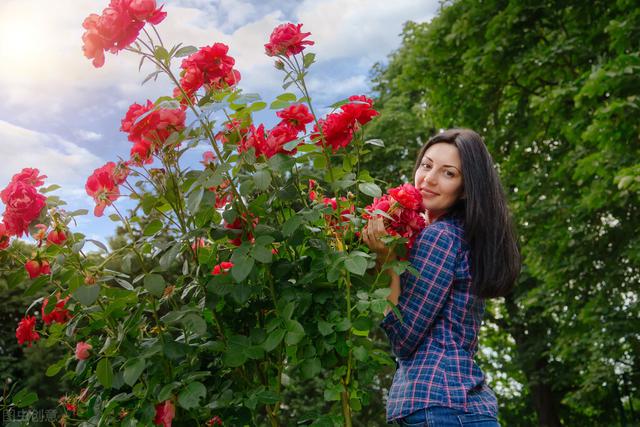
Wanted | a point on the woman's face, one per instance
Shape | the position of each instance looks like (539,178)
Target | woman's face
(439,178)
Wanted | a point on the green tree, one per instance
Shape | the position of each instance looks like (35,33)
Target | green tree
(554,87)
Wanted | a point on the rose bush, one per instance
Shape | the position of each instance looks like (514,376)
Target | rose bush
(234,278)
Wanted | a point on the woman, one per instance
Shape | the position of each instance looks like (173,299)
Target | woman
(468,253)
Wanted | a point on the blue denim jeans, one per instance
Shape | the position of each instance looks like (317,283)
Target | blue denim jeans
(438,416)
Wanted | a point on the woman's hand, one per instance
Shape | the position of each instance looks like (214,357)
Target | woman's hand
(371,236)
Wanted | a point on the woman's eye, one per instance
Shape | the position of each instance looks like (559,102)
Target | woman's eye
(426,166)
(449,174)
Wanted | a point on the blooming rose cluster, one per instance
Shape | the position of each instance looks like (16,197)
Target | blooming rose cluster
(117,27)
(26,331)
(404,205)
(287,40)
(103,184)
(150,132)
(23,204)
(294,121)
(337,129)
(210,67)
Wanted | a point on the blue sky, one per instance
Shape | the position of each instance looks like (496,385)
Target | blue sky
(61,115)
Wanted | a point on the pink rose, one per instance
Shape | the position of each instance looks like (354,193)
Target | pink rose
(83,350)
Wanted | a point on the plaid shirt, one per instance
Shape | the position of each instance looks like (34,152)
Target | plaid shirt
(436,340)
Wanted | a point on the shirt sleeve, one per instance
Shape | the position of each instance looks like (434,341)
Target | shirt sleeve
(422,297)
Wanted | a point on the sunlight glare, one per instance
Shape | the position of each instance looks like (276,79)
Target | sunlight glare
(24,41)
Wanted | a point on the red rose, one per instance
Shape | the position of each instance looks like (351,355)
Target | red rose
(208,157)
(29,176)
(56,237)
(239,224)
(287,39)
(37,268)
(408,196)
(93,44)
(165,412)
(360,110)
(297,116)
(83,350)
(337,131)
(215,421)
(151,132)
(145,10)
(58,315)
(210,66)
(101,185)
(222,268)
(23,205)
(25,332)
(222,194)
(5,237)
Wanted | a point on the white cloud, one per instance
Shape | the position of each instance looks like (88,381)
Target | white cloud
(64,162)
(360,28)
(87,135)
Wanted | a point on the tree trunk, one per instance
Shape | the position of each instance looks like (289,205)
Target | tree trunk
(544,398)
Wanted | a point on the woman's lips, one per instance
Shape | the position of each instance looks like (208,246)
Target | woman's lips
(428,193)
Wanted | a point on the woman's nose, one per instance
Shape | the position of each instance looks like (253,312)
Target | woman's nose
(429,176)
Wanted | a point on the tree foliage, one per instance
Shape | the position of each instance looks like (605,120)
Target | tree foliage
(554,87)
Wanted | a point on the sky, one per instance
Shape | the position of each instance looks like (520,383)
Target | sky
(61,115)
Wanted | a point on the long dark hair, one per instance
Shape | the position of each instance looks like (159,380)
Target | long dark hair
(495,258)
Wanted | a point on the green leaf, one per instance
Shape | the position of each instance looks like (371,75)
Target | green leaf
(261,253)
(310,368)
(150,76)
(50,188)
(155,284)
(153,227)
(370,189)
(295,332)
(273,339)
(87,294)
(356,264)
(170,256)
(360,353)
(287,96)
(104,372)
(308,59)
(325,328)
(362,323)
(195,323)
(165,391)
(242,268)
(161,53)
(132,370)
(185,51)
(52,370)
(194,200)
(291,225)
(24,398)
(36,285)
(190,396)
(262,179)
(78,212)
